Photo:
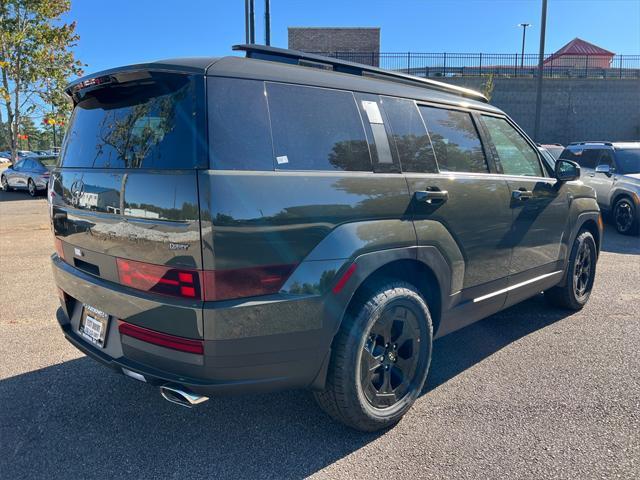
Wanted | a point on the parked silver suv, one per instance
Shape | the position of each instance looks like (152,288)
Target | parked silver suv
(613,170)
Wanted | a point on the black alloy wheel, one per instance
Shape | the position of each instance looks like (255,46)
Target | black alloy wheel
(390,356)
(582,270)
(380,357)
(624,215)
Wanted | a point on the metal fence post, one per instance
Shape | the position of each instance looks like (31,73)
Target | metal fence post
(444,65)
(620,66)
(480,64)
(408,62)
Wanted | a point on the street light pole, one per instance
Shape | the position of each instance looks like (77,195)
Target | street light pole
(524,36)
(267,22)
(543,28)
(252,22)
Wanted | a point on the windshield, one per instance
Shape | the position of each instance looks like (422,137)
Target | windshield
(150,125)
(628,160)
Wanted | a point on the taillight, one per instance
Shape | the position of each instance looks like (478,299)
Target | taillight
(245,282)
(59,249)
(163,339)
(159,279)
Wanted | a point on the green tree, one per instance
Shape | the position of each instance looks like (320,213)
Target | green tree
(35,60)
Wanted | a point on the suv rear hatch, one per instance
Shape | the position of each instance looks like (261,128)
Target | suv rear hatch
(124,198)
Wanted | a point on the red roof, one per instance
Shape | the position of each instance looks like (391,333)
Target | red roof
(577,46)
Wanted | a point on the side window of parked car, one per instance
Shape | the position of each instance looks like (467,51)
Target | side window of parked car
(586,158)
(410,135)
(455,140)
(316,129)
(515,154)
(239,131)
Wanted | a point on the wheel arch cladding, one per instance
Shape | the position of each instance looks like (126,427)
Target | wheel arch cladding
(412,271)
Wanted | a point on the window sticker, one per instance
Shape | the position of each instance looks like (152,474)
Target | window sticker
(373,112)
(282,159)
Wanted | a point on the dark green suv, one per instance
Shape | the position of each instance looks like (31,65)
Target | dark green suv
(292,221)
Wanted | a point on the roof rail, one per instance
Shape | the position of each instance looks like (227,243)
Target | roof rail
(593,142)
(295,57)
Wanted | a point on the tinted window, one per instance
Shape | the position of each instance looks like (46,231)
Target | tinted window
(239,134)
(151,124)
(587,158)
(316,129)
(410,135)
(455,140)
(516,156)
(628,160)
(19,165)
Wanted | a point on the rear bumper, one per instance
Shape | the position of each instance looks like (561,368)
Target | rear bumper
(237,360)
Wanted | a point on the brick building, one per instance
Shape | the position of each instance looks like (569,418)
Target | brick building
(357,44)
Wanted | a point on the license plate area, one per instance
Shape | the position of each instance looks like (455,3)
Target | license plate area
(93,325)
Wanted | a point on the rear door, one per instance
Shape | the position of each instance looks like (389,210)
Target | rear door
(456,197)
(539,203)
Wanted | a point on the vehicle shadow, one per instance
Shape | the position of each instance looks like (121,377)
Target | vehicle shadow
(76,419)
(613,242)
(16,195)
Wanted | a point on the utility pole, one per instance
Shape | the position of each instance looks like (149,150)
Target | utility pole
(543,28)
(267,22)
(252,21)
(524,36)
(247,35)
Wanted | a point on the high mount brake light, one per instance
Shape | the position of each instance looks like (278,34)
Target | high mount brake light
(159,279)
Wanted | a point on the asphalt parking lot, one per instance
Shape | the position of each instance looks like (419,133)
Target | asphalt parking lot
(532,392)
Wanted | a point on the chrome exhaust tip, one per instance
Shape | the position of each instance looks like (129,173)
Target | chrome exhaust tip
(182,397)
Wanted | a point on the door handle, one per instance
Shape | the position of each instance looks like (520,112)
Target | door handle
(522,194)
(432,197)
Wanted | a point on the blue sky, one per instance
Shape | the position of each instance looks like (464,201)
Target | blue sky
(118,32)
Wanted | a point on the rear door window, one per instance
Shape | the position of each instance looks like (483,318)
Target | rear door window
(316,129)
(147,124)
(410,135)
(239,132)
(515,154)
(455,140)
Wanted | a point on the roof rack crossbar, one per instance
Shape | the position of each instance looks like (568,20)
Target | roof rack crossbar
(296,57)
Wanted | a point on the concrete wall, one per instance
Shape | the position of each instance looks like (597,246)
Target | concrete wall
(572,110)
(330,40)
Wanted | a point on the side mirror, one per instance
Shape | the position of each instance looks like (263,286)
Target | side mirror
(604,168)
(566,170)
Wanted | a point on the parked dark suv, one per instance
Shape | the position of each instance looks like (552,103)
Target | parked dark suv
(289,220)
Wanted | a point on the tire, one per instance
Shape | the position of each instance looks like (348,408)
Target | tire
(625,216)
(31,187)
(5,184)
(390,332)
(574,292)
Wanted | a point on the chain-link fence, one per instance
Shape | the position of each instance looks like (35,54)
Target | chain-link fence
(499,64)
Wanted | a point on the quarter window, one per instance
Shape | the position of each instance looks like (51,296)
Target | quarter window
(516,156)
(455,140)
(316,129)
(410,135)
(239,135)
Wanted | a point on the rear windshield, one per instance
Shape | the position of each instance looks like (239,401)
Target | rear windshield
(628,160)
(150,124)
